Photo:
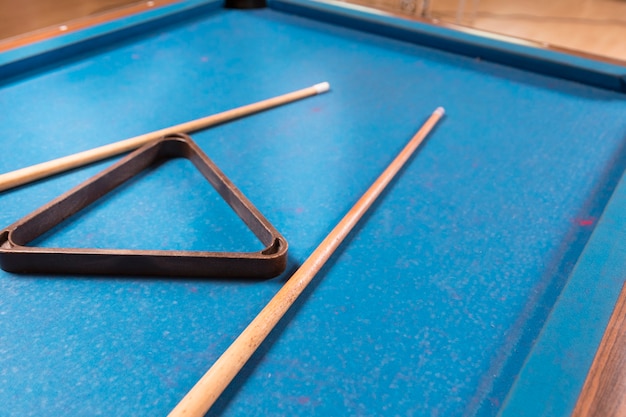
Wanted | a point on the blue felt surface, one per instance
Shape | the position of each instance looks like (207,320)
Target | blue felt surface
(431,306)
(576,325)
(178,198)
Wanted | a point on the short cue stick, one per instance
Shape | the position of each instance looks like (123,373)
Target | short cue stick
(206,391)
(604,391)
(55,166)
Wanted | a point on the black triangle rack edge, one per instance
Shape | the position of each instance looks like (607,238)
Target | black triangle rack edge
(16,257)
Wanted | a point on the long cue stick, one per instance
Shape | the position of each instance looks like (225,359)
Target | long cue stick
(604,391)
(55,166)
(202,396)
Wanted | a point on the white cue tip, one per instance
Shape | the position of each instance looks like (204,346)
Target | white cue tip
(440,111)
(322,87)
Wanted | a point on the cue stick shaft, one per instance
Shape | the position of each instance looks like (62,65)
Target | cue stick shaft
(25,175)
(604,391)
(206,391)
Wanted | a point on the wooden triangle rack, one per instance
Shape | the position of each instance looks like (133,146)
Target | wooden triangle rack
(15,256)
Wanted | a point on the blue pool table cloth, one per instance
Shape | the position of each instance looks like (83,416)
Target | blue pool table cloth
(479,284)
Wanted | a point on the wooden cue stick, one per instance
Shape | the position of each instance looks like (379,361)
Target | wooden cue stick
(604,391)
(202,396)
(55,166)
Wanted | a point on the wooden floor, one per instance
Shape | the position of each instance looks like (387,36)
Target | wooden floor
(17,18)
(593,26)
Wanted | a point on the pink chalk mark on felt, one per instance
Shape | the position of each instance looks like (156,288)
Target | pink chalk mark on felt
(586,221)
(494,401)
(303,400)
(204,59)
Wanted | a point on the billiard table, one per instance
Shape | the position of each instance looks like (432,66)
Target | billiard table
(480,283)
